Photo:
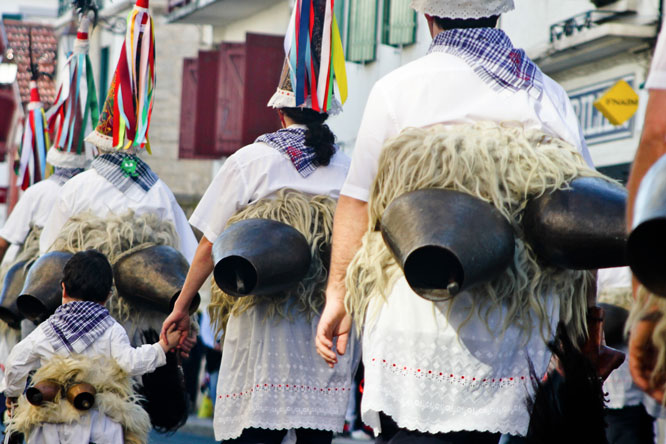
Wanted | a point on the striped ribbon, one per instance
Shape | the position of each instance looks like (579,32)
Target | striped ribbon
(31,166)
(76,91)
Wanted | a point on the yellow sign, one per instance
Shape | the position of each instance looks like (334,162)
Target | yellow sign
(619,103)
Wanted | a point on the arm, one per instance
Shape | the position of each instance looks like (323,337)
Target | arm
(18,223)
(651,148)
(201,268)
(351,220)
(21,361)
(228,192)
(642,353)
(136,361)
(349,225)
(4,245)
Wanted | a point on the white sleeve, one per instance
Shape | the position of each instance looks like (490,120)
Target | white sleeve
(18,223)
(657,77)
(135,361)
(58,217)
(228,193)
(187,241)
(377,125)
(21,361)
(565,124)
(577,130)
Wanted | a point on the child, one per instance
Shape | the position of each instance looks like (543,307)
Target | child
(74,341)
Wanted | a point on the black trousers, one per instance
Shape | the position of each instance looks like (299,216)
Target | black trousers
(267,436)
(392,434)
(629,425)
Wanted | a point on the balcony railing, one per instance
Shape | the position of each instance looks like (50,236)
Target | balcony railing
(586,20)
(173,4)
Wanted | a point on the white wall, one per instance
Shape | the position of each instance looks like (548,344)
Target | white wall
(273,20)
(529,24)
(30,9)
(361,77)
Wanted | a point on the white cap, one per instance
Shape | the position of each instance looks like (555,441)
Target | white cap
(63,159)
(462,9)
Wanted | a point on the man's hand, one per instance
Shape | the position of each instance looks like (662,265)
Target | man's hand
(334,322)
(643,358)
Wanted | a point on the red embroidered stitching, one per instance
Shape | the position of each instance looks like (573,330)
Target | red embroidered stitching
(438,375)
(286,387)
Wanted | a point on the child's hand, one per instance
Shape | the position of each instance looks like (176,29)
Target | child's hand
(10,403)
(172,338)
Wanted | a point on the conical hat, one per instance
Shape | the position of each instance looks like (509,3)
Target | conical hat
(30,163)
(314,58)
(125,118)
(66,120)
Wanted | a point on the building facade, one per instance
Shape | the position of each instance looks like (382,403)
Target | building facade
(587,46)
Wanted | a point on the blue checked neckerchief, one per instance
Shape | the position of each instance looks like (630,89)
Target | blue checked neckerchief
(291,143)
(62,175)
(139,176)
(492,56)
(76,325)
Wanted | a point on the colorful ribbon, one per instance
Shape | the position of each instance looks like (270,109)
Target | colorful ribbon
(315,54)
(135,80)
(31,165)
(64,117)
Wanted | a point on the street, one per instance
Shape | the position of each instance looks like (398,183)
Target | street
(200,431)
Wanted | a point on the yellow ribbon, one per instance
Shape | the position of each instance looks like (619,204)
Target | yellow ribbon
(338,58)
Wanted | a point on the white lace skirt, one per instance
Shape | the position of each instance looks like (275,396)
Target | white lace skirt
(272,377)
(432,375)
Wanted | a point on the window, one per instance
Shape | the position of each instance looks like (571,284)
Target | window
(362,30)
(399,23)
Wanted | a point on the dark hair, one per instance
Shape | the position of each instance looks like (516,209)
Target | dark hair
(449,23)
(318,135)
(88,276)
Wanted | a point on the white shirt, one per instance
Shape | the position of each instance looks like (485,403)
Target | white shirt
(270,374)
(442,88)
(36,350)
(32,209)
(657,77)
(419,368)
(89,191)
(257,171)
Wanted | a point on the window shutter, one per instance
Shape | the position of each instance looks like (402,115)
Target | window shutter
(188,109)
(207,86)
(399,24)
(264,58)
(362,30)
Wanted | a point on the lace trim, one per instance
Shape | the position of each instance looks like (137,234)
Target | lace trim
(463,9)
(287,99)
(310,423)
(443,376)
(294,388)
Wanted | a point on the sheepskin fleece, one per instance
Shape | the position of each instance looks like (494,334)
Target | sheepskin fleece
(115,397)
(312,216)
